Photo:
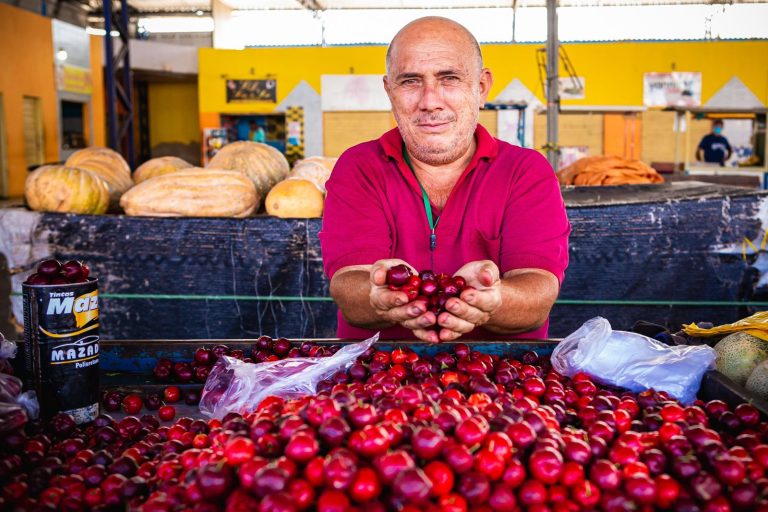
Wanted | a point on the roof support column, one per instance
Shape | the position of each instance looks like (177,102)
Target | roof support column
(553,98)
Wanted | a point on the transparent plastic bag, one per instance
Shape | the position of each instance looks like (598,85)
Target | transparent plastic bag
(7,351)
(633,361)
(15,407)
(235,386)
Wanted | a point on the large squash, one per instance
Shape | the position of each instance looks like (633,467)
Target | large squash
(193,192)
(295,198)
(158,167)
(263,164)
(56,188)
(108,165)
(316,169)
(326,161)
(99,153)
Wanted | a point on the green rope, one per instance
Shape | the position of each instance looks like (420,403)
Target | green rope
(561,302)
(694,303)
(161,296)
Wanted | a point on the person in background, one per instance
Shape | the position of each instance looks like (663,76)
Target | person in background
(714,148)
(257,133)
(439,192)
(243,130)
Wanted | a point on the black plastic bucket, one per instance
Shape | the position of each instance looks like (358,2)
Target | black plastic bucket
(61,334)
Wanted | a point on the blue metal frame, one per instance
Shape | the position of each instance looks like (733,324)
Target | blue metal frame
(119,128)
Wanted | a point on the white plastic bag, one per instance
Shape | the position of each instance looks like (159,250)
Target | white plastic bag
(633,361)
(15,407)
(235,386)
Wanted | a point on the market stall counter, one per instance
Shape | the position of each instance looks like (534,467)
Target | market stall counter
(409,426)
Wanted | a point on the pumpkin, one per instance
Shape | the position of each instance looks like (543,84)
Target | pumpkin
(56,188)
(326,161)
(263,164)
(106,164)
(193,192)
(159,166)
(316,169)
(295,198)
(99,153)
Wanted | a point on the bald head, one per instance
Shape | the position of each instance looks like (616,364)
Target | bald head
(435,27)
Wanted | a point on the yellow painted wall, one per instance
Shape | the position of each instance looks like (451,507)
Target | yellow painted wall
(288,66)
(99,137)
(613,71)
(173,114)
(26,61)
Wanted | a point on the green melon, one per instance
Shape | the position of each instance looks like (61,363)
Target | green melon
(738,354)
(758,380)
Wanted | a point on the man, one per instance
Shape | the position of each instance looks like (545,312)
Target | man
(714,147)
(256,133)
(498,218)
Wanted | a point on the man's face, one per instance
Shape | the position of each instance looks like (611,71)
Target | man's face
(436,91)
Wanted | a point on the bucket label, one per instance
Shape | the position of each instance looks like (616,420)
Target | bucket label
(61,325)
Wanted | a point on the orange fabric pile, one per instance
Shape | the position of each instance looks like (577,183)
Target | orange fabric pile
(607,170)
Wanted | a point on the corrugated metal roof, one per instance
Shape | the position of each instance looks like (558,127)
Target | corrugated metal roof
(205,5)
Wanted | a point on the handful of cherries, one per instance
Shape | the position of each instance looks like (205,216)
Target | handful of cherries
(54,272)
(434,289)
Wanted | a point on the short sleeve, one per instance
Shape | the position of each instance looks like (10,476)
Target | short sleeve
(355,229)
(535,227)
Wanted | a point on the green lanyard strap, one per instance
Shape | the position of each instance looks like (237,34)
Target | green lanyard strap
(427,207)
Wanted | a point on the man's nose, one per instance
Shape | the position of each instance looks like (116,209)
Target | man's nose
(431,96)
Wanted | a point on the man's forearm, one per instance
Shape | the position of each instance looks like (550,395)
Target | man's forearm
(526,300)
(351,291)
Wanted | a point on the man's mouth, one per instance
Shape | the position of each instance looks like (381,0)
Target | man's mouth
(433,125)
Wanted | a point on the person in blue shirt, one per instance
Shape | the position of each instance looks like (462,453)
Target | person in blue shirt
(714,148)
(257,133)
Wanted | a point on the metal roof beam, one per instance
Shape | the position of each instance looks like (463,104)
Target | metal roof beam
(312,5)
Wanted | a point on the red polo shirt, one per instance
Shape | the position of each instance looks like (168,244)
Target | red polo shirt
(505,207)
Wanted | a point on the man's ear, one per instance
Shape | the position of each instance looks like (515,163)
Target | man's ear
(387,88)
(486,82)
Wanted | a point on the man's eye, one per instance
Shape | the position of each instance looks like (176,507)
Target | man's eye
(409,82)
(451,79)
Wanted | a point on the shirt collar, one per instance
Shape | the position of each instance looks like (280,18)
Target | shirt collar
(487,146)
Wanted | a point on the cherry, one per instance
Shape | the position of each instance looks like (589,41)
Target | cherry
(132,404)
(398,275)
(641,488)
(73,271)
(413,485)
(63,424)
(112,400)
(474,487)
(427,443)
(215,481)
(166,413)
(302,447)
(546,465)
(332,501)
(172,394)
(204,356)
(219,351)
(391,464)
(192,396)
(49,268)
(37,279)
